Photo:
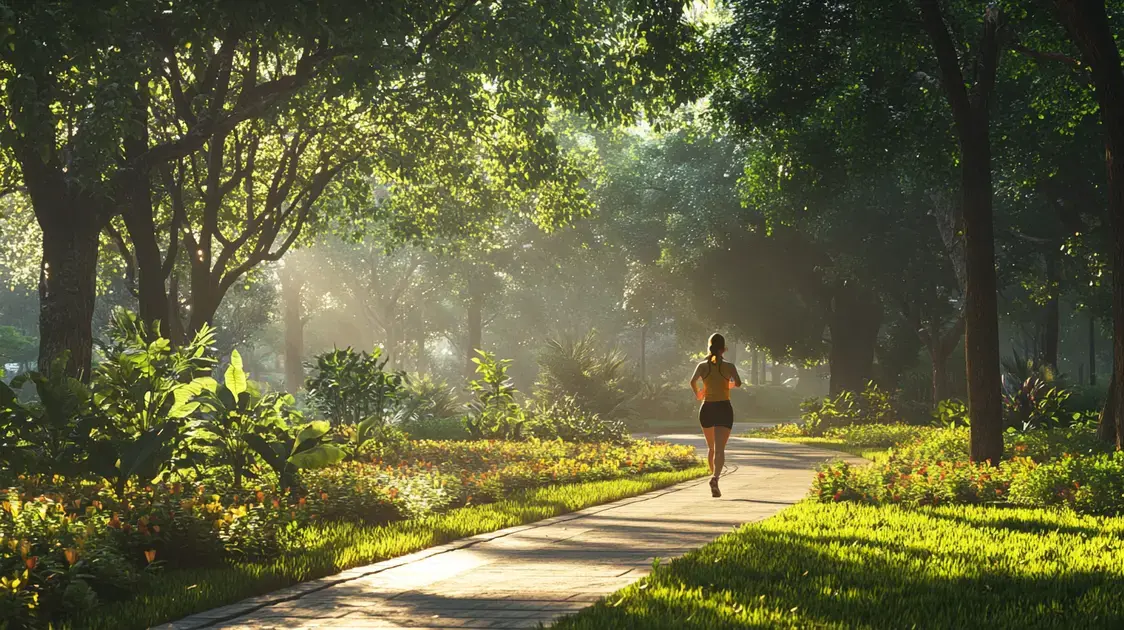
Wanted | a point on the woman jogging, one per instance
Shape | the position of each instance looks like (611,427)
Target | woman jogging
(716,415)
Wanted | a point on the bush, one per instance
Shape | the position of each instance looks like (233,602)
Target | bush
(431,411)
(1091,483)
(1046,467)
(567,420)
(350,387)
(493,414)
(589,372)
(872,406)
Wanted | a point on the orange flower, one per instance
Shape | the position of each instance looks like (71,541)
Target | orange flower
(31,562)
(114,522)
(71,556)
(276,504)
(261,496)
(150,555)
(301,501)
(394,493)
(156,528)
(323,496)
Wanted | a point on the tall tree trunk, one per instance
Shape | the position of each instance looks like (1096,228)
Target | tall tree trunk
(175,317)
(67,289)
(294,330)
(1052,328)
(1092,350)
(152,296)
(971,109)
(1088,25)
(856,317)
(981,322)
(475,330)
(644,353)
(1107,429)
(753,378)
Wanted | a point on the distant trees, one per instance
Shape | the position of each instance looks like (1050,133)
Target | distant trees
(213,130)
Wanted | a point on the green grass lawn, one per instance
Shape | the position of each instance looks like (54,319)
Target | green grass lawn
(332,547)
(848,565)
(872,453)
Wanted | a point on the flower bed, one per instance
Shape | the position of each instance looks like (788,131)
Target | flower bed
(67,547)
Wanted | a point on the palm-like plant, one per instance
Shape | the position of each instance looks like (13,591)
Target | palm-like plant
(585,369)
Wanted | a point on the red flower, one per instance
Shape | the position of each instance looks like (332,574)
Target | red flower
(838,493)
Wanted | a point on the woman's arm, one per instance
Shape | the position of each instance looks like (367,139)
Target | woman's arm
(699,391)
(737,377)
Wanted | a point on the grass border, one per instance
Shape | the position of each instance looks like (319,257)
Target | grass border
(338,547)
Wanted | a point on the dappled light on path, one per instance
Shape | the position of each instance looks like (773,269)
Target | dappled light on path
(523,576)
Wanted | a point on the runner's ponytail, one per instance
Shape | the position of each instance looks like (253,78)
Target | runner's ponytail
(716,344)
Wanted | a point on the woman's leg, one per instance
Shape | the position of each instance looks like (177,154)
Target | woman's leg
(708,433)
(718,449)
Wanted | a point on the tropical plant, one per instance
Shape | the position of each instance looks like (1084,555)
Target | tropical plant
(52,433)
(234,410)
(142,383)
(951,413)
(592,374)
(350,387)
(287,450)
(1032,395)
(873,405)
(494,413)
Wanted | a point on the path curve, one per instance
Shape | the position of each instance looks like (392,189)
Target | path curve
(522,576)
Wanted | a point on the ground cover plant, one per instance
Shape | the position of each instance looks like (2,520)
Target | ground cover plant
(849,565)
(324,548)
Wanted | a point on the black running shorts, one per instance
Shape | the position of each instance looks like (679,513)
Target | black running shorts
(716,413)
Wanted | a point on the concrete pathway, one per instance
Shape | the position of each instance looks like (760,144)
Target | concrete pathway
(523,576)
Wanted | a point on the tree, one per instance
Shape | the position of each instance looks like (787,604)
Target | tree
(1088,25)
(104,100)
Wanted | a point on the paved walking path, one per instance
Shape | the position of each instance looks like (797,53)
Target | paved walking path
(523,576)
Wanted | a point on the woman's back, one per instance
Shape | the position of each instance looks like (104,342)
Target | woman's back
(716,379)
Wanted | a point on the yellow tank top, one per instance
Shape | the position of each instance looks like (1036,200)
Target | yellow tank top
(716,380)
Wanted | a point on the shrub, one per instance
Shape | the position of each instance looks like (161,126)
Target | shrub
(565,419)
(586,370)
(876,435)
(493,414)
(872,406)
(431,410)
(1031,396)
(350,386)
(1046,467)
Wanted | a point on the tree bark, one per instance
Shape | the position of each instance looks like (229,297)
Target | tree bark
(294,331)
(475,327)
(1092,350)
(643,353)
(152,295)
(1107,429)
(67,289)
(971,115)
(1087,24)
(1052,328)
(856,317)
(753,378)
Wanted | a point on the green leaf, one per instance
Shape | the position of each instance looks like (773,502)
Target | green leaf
(318,457)
(235,377)
(313,431)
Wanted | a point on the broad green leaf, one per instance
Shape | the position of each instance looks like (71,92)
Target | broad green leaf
(235,377)
(313,431)
(318,457)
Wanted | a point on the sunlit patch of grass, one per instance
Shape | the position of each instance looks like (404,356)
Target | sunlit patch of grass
(328,548)
(848,565)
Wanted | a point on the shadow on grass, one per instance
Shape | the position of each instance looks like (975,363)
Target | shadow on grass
(788,574)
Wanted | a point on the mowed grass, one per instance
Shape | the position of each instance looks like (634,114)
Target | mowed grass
(856,566)
(329,548)
(873,453)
